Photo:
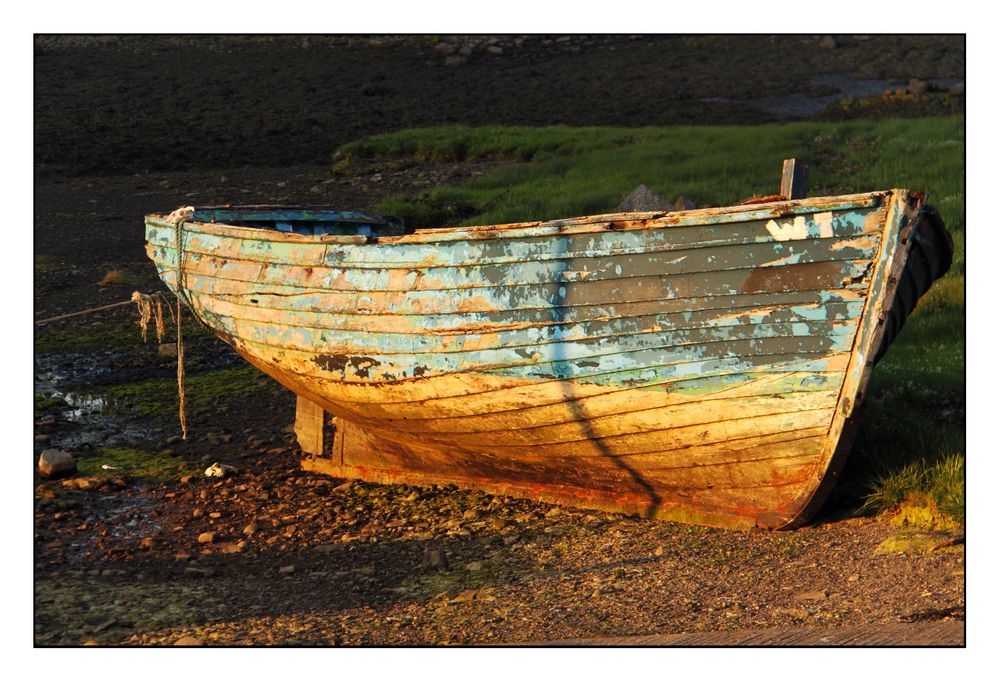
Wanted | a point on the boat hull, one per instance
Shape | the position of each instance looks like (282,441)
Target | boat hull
(702,366)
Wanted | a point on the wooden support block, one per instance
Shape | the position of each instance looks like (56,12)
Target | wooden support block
(794,179)
(309,425)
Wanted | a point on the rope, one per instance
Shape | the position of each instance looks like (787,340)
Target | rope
(181,298)
(89,310)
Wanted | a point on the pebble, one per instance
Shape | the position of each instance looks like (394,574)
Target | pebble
(206,538)
(198,513)
(188,640)
(56,463)
(658,551)
(215,515)
(147,543)
(434,559)
(173,440)
(474,566)
(812,595)
(287,569)
(251,528)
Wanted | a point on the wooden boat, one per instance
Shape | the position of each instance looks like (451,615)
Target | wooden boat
(703,366)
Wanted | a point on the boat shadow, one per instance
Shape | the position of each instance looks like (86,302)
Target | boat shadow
(574,398)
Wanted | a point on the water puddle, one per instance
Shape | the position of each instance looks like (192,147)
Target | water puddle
(799,105)
(89,418)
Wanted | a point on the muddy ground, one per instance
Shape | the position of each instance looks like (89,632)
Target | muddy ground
(129,126)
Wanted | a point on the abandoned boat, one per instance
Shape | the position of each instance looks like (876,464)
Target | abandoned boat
(703,366)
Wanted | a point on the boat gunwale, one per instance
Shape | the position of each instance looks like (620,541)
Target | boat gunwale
(608,222)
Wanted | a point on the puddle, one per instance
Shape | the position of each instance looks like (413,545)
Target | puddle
(803,106)
(89,417)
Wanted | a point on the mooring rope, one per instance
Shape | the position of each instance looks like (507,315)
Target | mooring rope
(181,298)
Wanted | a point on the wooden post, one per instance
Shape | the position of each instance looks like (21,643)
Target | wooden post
(794,179)
(309,425)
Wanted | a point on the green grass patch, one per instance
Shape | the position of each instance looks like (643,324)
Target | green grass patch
(579,171)
(132,462)
(206,391)
(911,445)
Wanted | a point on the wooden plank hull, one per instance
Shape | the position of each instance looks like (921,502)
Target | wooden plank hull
(698,366)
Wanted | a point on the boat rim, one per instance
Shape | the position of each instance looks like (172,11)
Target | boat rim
(622,222)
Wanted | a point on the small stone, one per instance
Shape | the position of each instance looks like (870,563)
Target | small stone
(183,556)
(230,548)
(474,566)
(56,463)
(853,578)
(828,42)
(287,569)
(812,595)
(435,559)
(643,199)
(465,50)
(105,625)
(187,479)
(494,49)
(188,640)
(167,350)
(220,471)
(658,551)
(147,543)
(172,440)
(553,513)
(454,60)
(198,513)
(215,515)
(794,613)
(684,203)
(467,595)
(251,528)
(206,538)
(444,48)
(470,514)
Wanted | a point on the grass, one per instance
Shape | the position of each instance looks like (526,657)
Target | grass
(911,446)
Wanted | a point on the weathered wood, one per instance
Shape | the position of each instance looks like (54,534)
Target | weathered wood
(698,366)
(794,179)
(310,426)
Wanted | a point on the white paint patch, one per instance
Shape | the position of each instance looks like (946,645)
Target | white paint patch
(796,229)
(825,222)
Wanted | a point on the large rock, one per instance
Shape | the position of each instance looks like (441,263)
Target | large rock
(56,463)
(643,199)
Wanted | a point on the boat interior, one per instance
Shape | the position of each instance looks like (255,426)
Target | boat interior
(303,220)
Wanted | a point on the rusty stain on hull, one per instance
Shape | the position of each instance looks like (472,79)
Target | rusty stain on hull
(702,366)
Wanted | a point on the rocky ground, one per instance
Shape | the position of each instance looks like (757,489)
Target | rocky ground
(154,552)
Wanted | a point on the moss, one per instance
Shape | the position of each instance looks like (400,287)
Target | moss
(918,542)
(45,404)
(132,462)
(204,392)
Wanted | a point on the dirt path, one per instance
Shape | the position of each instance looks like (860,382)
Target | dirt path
(297,558)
